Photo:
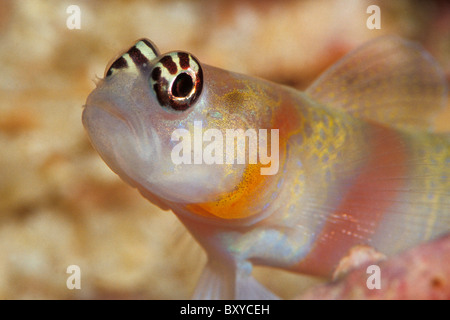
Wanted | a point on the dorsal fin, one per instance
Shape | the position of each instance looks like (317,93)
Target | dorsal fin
(388,80)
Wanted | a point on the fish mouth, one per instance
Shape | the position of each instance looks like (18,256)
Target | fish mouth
(105,108)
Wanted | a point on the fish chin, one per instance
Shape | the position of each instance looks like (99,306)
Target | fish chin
(124,149)
(189,184)
(137,154)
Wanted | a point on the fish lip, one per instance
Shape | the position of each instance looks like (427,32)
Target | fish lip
(111,111)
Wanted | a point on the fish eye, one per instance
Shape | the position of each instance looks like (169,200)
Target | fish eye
(182,85)
(177,80)
(137,57)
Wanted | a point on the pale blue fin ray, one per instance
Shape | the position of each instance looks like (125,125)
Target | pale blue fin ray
(223,282)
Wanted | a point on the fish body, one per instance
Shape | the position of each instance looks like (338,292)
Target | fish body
(353,161)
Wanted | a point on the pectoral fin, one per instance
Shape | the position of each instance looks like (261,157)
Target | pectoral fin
(214,283)
(223,282)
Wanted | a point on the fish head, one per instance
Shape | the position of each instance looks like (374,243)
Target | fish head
(145,110)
